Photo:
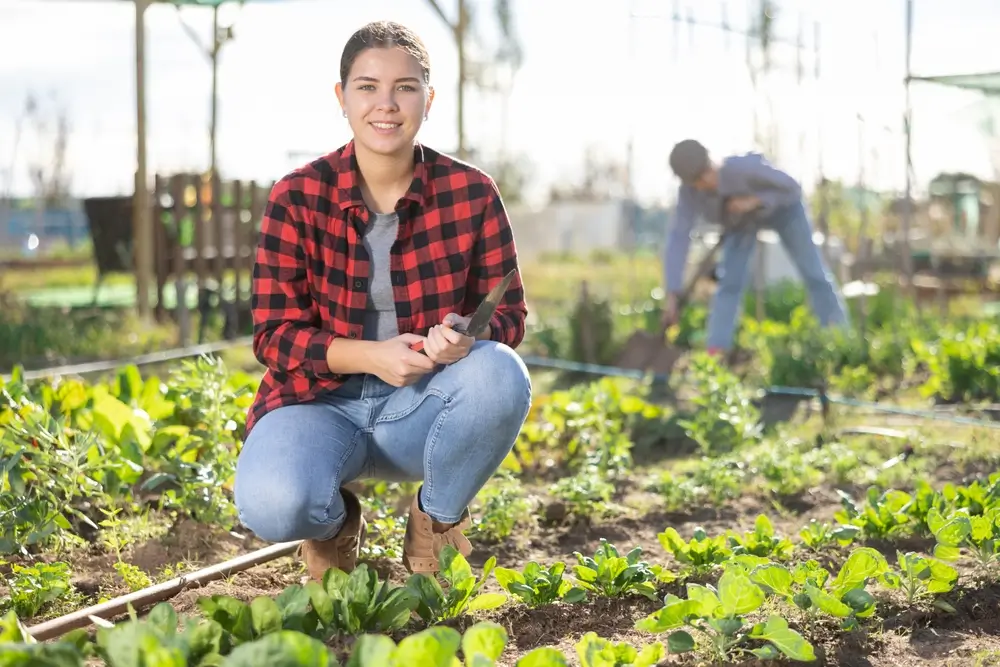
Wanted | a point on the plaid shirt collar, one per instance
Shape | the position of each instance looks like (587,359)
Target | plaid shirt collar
(349,182)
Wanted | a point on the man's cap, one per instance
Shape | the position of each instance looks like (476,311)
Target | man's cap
(689,160)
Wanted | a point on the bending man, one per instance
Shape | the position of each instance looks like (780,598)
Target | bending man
(746,193)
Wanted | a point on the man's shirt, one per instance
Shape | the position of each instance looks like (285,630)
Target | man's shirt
(740,175)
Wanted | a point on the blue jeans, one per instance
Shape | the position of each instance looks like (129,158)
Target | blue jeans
(451,430)
(795,230)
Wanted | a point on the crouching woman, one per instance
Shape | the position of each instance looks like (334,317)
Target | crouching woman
(362,253)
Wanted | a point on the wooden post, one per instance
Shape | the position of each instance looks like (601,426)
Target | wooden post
(181,211)
(142,236)
(235,240)
(199,233)
(218,236)
(258,200)
(161,250)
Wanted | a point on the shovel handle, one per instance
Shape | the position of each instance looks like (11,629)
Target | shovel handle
(706,263)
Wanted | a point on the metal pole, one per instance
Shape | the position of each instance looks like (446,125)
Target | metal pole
(907,130)
(142,223)
(216,47)
(460,33)
(160,357)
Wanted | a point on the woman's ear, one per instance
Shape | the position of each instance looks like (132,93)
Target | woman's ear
(430,100)
(339,90)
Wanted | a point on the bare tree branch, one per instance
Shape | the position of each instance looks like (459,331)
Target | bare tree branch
(444,17)
(193,34)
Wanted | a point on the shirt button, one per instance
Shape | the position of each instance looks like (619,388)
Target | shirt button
(353,334)
(358,284)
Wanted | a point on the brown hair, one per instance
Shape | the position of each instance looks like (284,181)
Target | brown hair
(384,35)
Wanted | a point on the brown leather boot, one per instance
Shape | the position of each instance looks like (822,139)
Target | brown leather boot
(340,551)
(425,538)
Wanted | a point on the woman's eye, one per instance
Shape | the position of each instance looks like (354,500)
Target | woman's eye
(366,86)
(408,88)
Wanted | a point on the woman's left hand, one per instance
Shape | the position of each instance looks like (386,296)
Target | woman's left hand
(444,345)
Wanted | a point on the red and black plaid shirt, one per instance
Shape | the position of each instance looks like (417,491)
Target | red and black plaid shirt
(311,272)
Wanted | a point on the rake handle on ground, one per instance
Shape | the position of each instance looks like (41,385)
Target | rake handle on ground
(147,597)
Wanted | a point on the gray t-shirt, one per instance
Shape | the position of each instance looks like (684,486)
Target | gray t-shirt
(380,317)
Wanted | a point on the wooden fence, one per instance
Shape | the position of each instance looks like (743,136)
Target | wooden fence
(205,237)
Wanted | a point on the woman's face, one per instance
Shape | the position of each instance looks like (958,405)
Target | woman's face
(385,99)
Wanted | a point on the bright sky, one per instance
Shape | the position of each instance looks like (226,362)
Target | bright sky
(585,82)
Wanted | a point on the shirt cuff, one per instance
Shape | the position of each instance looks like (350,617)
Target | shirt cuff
(496,329)
(316,361)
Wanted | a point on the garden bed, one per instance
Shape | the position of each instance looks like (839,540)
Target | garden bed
(693,525)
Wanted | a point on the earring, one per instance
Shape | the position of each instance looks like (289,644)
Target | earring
(345,113)
(425,116)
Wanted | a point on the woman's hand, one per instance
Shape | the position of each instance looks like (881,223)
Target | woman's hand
(395,363)
(444,345)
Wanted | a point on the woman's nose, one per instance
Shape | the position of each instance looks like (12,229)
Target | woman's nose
(386,100)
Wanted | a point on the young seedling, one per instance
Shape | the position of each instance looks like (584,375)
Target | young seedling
(700,554)
(612,575)
(537,586)
(463,596)
(719,615)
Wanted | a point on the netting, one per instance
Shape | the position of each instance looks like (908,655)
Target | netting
(986,82)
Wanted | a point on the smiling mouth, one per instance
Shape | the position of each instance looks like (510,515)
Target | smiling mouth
(385,127)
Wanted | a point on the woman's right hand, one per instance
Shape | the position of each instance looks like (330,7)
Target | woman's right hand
(395,363)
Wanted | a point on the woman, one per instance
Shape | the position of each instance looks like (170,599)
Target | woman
(363,253)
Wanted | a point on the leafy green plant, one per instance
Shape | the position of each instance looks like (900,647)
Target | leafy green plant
(963,363)
(32,587)
(19,649)
(719,615)
(921,577)
(343,603)
(503,506)
(587,494)
(808,585)
(761,541)
(882,516)
(723,416)
(612,575)
(69,450)
(587,427)
(711,479)
(595,651)
(537,586)
(482,644)
(817,536)
(362,603)
(980,535)
(463,596)
(209,411)
(700,553)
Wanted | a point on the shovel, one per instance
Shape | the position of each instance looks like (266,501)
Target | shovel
(646,351)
